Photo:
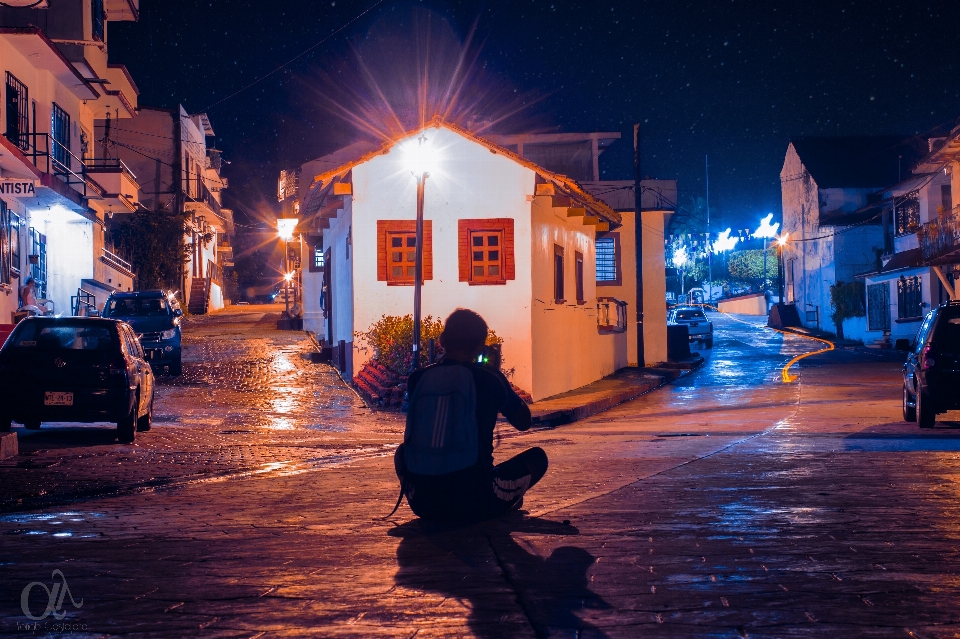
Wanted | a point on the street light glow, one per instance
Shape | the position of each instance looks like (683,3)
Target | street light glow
(766,229)
(419,156)
(288,276)
(285,228)
(782,240)
(724,242)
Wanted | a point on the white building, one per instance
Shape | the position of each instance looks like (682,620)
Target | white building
(56,194)
(503,236)
(919,267)
(178,172)
(827,185)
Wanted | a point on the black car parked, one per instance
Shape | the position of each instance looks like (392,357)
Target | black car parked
(155,316)
(931,374)
(75,369)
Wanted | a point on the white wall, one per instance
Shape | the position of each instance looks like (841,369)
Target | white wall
(654,290)
(345,304)
(311,287)
(469,182)
(69,253)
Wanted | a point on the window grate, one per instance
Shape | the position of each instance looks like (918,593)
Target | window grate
(60,130)
(18,118)
(909,297)
(97,19)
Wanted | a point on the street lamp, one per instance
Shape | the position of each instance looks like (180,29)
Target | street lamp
(766,230)
(285,229)
(419,157)
(781,243)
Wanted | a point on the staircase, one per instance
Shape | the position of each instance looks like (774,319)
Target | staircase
(199,296)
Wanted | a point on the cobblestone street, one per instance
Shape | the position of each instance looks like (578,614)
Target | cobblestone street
(249,402)
(725,504)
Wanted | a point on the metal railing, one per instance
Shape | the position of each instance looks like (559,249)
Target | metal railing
(197,191)
(215,272)
(611,315)
(84,303)
(941,235)
(94,165)
(114,260)
(35,146)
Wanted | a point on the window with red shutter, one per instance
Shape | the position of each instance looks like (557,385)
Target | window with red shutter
(486,251)
(397,249)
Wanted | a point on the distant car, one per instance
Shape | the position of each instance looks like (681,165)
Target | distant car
(698,326)
(155,316)
(75,369)
(931,374)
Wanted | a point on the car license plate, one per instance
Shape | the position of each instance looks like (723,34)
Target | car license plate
(57,399)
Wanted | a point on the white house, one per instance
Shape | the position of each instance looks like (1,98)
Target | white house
(56,194)
(503,236)
(827,185)
(919,267)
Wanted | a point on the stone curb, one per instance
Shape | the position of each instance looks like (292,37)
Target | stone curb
(8,445)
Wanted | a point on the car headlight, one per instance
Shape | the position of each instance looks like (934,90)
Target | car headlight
(168,334)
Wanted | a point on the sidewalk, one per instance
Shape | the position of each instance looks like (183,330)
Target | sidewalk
(601,395)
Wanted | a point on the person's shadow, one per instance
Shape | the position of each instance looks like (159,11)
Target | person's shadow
(507,588)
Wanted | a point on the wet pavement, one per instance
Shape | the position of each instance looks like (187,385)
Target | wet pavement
(726,504)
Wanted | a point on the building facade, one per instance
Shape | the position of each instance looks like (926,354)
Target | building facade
(180,173)
(828,186)
(57,194)
(504,236)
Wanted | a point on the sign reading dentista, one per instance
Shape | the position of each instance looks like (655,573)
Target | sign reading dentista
(18,188)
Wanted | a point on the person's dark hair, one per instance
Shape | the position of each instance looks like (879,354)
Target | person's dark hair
(464,330)
(29,281)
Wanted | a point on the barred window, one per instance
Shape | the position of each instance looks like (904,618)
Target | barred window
(18,119)
(608,260)
(908,214)
(909,297)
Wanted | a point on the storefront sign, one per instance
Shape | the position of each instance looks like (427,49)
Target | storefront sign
(18,188)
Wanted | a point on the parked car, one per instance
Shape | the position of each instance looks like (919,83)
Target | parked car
(155,316)
(931,373)
(75,369)
(698,326)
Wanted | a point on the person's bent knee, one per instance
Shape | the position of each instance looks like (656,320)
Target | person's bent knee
(537,461)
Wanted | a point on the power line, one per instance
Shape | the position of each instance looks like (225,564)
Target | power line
(295,58)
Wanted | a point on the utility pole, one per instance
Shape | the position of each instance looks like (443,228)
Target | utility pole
(706,161)
(638,239)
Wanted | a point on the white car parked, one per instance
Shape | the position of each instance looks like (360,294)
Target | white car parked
(698,326)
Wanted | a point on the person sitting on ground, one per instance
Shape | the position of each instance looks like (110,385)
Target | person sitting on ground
(445,464)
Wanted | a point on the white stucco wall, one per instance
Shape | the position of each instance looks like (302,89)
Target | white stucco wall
(70,241)
(311,288)
(469,182)
(342,276)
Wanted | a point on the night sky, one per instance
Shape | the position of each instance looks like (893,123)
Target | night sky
(734,80)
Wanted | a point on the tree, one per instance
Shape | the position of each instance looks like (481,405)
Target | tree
(153,242)
(846,302)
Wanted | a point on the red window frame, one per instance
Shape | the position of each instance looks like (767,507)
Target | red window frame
(474,230)
(387,230)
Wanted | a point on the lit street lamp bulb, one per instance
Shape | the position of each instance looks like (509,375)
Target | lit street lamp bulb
(767,229)
(782,240)
(419,156)
(288,276)
(286,227)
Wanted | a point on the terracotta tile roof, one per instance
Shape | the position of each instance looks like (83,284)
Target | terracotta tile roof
(566,186)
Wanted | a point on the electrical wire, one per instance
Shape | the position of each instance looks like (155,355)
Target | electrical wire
(295,58)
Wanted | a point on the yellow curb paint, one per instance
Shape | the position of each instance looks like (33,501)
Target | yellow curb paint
(785,373)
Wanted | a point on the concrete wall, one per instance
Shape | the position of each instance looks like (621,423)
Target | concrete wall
(311,287)
(654,290)
(745,305)
(350,294)
(567,350)
(69,253)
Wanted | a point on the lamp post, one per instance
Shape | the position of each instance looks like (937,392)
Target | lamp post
(418,158)
(285,229)
(781,243)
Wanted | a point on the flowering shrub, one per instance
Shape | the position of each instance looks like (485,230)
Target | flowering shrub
(391,338)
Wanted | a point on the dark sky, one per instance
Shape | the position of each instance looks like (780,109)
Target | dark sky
(731,79)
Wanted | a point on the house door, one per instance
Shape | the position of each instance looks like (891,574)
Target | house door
(328,293)
(878,307)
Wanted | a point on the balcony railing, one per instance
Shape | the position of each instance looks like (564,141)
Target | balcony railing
(611,315)
(941,235)
(107,165)
(197,191)
(111,259)
(37,148)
